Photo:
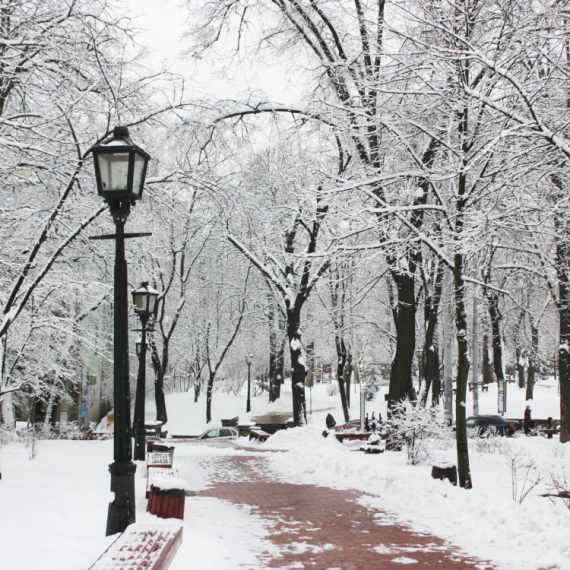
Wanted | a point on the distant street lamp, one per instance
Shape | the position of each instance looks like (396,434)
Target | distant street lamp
(248,361)
(144,300)
(120,171)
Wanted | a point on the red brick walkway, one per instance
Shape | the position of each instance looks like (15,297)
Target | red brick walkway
(319,528)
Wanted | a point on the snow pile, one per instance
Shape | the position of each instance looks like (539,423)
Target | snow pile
(485,521)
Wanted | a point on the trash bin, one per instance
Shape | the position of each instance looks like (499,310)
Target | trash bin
(167,503)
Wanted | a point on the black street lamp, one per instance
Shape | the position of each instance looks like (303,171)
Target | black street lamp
(248,361)
(144,300)
(120,171)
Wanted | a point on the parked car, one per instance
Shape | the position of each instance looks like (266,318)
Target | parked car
(487,424)
(219,434)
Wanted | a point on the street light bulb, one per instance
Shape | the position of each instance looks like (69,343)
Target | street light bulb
(114,168)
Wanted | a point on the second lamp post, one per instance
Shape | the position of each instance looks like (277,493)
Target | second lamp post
(248,361)
(144,300)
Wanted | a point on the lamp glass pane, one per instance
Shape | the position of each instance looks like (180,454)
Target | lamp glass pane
(141,302)
(138,173)
(114,169)
(151,303)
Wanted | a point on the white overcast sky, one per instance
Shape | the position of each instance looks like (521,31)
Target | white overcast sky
(162,24)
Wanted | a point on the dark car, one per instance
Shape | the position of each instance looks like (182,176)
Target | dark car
(491,424)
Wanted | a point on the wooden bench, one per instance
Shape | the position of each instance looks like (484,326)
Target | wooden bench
(158,460)
(150,441)
(258,434)
(548,432)
(142,547)
(353,435)
(484,387)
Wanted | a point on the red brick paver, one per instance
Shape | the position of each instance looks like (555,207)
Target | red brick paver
(319,528)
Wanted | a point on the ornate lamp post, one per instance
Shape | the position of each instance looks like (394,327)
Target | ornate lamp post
(248,361)
(144,300)
(120,171)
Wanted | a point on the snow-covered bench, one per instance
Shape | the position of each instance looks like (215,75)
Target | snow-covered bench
(158,459)
(142,546)
(259,434)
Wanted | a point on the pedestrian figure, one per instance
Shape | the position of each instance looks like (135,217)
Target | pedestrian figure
(527,421)
(330,421)
(366,424)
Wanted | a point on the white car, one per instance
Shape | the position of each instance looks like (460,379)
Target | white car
(219,434)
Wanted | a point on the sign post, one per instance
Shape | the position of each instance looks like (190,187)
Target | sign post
(502,397)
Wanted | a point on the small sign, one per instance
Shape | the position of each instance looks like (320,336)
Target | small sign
(327,368)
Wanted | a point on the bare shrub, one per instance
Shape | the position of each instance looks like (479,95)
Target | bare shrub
(31,439)
(525,475)
(559,487)
(418,429)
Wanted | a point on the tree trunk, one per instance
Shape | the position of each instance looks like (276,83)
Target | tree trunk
(8,420)
(430,352)
(531,363)
(51,414)
(401,386)
(276,356)
(197,386)
(209,392)
(159,399)
(298,370)
(461,440)
(562,263)
(487,372)
(463,469)
(347,373)
(160,367)
(496,317)
(341,353)
(520,369)
(273,351)
(280,367)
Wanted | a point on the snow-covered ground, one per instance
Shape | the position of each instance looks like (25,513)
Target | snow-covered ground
(54,507)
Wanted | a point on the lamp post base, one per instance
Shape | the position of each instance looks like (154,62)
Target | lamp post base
(122,510)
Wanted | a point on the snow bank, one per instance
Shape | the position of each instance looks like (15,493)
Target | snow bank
(485,521)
